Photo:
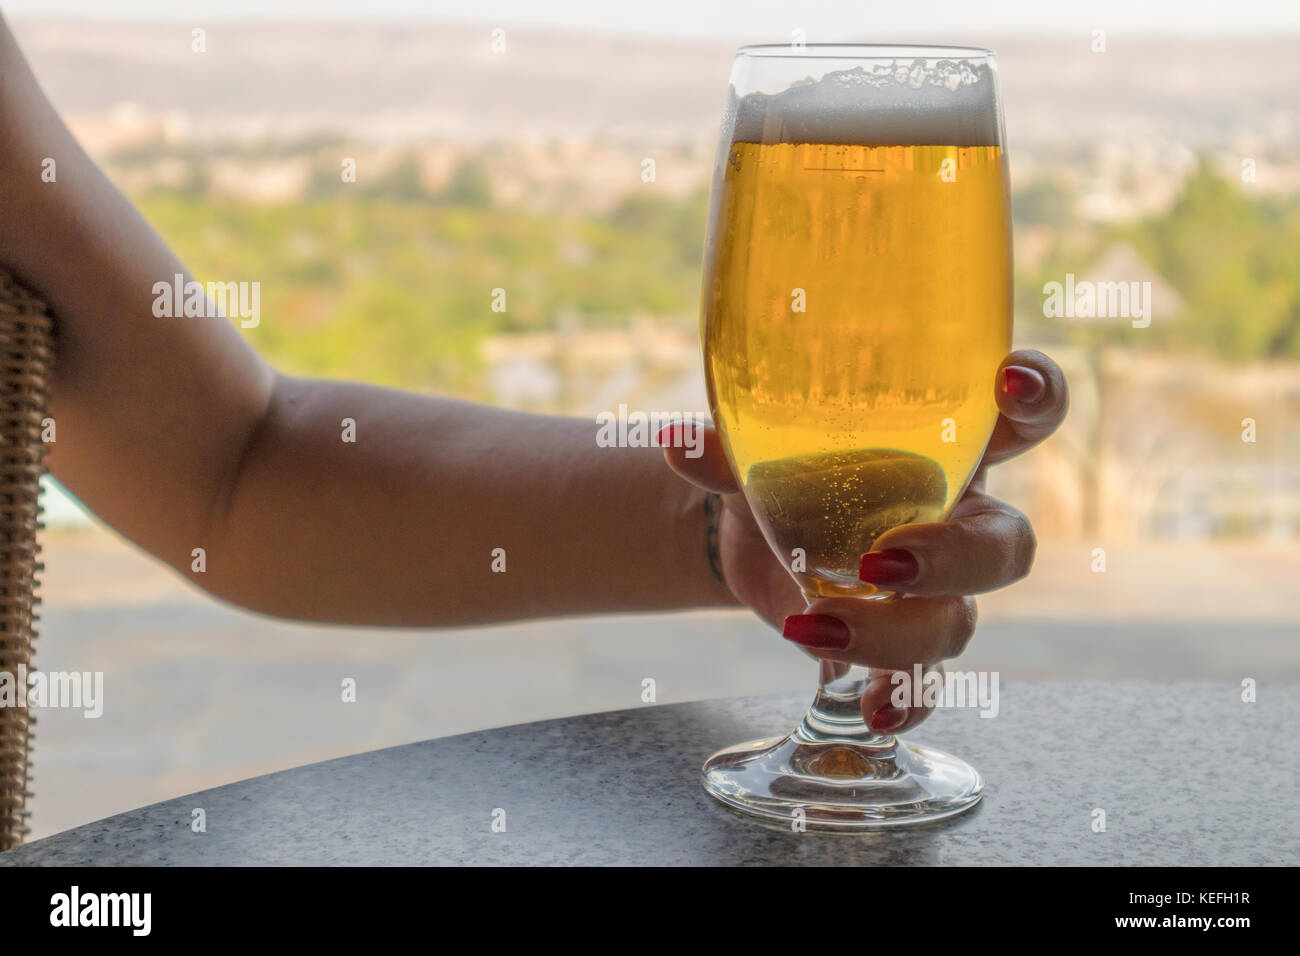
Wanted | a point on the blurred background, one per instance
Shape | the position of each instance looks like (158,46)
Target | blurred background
(1171,157)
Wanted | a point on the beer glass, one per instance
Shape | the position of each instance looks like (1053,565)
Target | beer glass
(856,306)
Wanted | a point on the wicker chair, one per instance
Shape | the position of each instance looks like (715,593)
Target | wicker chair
(26,353)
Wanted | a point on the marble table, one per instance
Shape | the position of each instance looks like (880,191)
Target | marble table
(1186,774)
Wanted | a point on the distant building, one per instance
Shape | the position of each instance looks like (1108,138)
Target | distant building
(650,365)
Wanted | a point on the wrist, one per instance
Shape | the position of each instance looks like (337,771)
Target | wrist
(696,547)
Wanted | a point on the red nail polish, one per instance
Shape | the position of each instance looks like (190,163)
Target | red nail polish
(817,631)
(1023,384)
(894,566)
(672,436)
(887,718)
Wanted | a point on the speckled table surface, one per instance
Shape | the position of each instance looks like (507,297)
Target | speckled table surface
(1186,774)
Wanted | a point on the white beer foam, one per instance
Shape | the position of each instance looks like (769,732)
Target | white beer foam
(949,103)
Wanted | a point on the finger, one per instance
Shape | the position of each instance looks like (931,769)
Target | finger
(888,706)
(1033,398)
(695,452)
(893,633)
(984,545)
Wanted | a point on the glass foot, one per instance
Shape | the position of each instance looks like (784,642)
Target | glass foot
(841,785)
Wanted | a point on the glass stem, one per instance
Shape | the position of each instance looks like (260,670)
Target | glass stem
(836,711)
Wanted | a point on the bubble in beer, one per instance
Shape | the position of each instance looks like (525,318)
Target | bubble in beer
(839,502)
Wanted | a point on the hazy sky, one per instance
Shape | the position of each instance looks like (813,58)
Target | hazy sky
(819,18)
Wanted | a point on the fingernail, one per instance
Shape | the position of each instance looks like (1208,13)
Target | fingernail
(1023,384)
(816,630)
(887,718)
(673,435)
(894,566)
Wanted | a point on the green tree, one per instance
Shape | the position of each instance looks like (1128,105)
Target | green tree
(1234,259)
(469,186)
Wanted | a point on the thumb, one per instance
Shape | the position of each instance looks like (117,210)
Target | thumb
(695,452)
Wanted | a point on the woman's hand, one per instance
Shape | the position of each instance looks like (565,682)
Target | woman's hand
(985,544)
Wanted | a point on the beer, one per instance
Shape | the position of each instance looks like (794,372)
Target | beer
(856,306)
(857,302)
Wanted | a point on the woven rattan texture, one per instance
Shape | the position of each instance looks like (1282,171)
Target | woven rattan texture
(26,353)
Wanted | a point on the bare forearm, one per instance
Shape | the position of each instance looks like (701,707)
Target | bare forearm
(441,512)
(174,432)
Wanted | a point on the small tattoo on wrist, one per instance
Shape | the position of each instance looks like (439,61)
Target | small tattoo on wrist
(713,508)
